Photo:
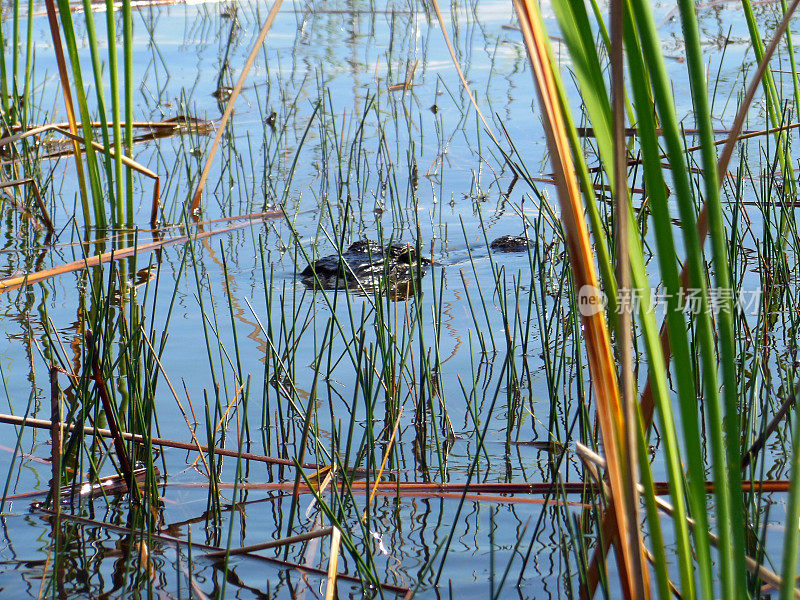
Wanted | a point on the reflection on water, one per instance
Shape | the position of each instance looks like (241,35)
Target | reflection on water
(112,559)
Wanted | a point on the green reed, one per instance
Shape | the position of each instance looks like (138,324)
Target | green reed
(713,342)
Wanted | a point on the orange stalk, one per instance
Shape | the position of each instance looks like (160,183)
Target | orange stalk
(602,367)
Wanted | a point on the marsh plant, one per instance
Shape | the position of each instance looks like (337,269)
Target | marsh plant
(402,299)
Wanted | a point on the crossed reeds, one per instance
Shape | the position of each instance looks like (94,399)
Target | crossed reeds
(624,423)
(623,437)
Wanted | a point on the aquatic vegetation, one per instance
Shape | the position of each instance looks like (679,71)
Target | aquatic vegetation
(400,299)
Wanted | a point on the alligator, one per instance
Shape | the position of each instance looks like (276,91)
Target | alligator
(512,243)
(363,266)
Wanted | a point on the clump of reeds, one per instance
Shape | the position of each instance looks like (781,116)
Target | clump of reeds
(709,354)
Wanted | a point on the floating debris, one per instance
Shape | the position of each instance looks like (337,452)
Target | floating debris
(222,93)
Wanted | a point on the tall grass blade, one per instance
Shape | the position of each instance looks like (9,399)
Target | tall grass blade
(232,102)
(597,341)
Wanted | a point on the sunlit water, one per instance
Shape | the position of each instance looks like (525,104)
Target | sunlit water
(374,161)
